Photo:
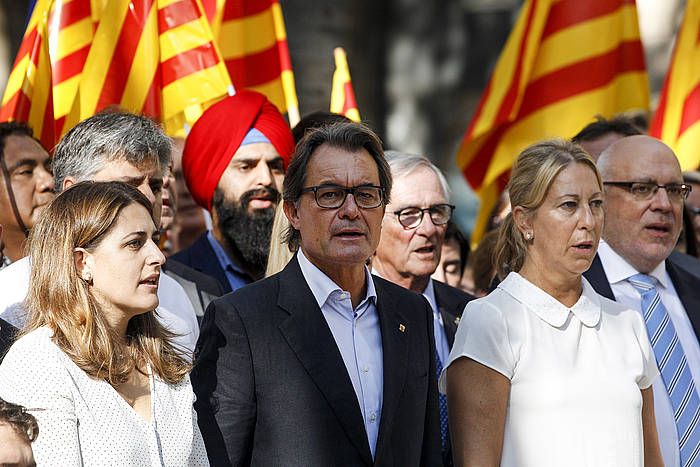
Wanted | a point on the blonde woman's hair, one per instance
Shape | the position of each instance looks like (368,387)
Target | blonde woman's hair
(533,173)
(61,300)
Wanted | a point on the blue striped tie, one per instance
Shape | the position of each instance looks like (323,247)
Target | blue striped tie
(674,369)
(442,403)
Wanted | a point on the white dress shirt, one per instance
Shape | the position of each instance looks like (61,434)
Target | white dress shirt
(358,337)
(84,421)
(575,374)
(442,347)
(175,310)
(618,270)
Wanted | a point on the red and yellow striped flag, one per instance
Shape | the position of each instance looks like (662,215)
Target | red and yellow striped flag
(677,119)
(28,94)
(253,43)
(155,57)
(342,94)
(564,62)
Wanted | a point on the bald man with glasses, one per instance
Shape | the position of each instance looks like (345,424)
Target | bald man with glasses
(413,231)
(636,265)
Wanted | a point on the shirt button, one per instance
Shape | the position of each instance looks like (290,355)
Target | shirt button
(373,417)
(344,295)
(365,369)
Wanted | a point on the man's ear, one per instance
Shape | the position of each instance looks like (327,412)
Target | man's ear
(84,263)
(292,214)
(68,182)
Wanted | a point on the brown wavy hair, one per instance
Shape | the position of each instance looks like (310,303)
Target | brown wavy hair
(533,173)
(59,299)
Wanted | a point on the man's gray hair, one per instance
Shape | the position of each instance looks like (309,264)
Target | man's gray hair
(108,136)
(403,164)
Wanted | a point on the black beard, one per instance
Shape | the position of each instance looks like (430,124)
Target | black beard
(247,234)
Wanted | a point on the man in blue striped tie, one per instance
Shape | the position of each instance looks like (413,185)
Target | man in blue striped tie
(636,266)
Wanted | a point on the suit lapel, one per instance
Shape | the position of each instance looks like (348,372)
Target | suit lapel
(396,337)
(309,336)
(598,280)
(687,286)
(204,259)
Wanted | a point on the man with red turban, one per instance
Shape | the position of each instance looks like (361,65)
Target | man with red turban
(234,162)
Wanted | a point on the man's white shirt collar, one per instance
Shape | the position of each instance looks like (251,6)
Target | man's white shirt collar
(323,286)
(617,269)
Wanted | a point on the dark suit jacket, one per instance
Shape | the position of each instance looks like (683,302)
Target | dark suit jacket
(682,271)
(7,337)
(451,302)
(200,288)
(201,257)
(272,388)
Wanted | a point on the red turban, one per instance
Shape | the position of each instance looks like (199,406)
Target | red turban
(218,134)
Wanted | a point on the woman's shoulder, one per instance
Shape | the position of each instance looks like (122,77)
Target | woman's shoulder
(34,351)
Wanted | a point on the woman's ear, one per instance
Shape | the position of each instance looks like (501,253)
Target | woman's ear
(523,221)
(83,263)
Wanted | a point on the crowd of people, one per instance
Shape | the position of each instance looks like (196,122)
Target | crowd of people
(326,309)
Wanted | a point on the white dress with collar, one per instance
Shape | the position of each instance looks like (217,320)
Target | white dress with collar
(84,421)
(575,374)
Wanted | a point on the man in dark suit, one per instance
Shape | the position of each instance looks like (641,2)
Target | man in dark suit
(322,364)
(233,162)
(413,232)
(7,337)
(635,265)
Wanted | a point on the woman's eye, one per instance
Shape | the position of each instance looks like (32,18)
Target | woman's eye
(569,204)
(134,244)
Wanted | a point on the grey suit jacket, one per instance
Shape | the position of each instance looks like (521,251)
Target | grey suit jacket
(272,388)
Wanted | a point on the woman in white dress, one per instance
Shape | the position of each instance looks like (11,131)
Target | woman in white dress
(94,365)
(544,371)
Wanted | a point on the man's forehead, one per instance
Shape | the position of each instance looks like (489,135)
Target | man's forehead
(119,169)
(337,165)
(256,151)
(21,147)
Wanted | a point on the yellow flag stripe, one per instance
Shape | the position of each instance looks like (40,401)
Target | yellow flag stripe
(247,36)
(72,38)
(184,37)
(585,40)
(194,88)
(144,66)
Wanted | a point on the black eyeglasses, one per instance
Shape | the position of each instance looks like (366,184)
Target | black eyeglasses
(644,191)
(333,196)
(411,217)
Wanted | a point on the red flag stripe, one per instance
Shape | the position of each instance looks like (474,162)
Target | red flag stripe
(582,76)
(476,170)
(255,69)
(129,36)
(567,13)
(350,102)
(48,133)
(691,110)
(70,65)
(512,94)
(17,108)
(475,118)
(153,104)
(177,14)
(178,66)
(72,12)
(240,9)
(656,125)
(285,60)
(25,48)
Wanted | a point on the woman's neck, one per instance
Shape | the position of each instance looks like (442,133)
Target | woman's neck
(565,288)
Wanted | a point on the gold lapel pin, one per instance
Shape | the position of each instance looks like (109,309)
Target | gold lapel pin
(402,328)
(457,320)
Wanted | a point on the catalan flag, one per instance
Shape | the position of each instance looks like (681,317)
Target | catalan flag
(28,95)
(564,62)
(155,57)
(677,118)
(253,42)
(342,94)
